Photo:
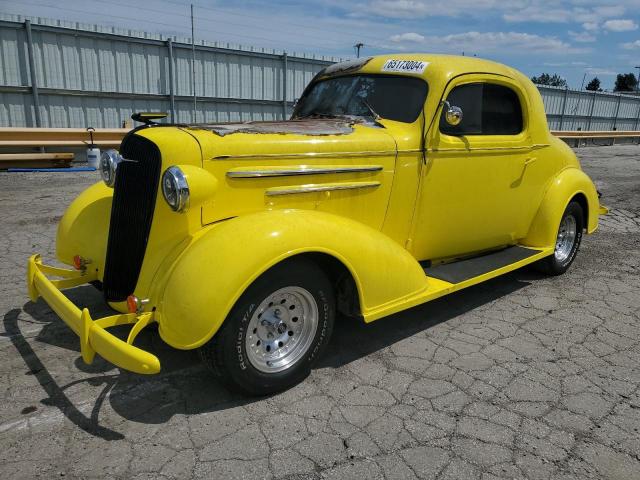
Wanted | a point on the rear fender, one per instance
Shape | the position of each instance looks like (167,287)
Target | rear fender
(566,185)
(215,269)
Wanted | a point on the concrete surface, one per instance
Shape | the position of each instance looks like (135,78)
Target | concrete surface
(522,377)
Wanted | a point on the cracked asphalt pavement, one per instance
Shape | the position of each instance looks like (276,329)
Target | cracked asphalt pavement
(522,377)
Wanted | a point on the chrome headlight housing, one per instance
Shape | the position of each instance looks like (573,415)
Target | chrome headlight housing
(109,161)
(175,189)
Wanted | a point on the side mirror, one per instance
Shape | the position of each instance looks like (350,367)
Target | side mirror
(453,114)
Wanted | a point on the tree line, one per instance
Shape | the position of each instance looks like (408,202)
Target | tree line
(625,82)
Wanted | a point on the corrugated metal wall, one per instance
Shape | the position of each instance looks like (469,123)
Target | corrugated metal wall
(92,75)
(88,75)
(581,110)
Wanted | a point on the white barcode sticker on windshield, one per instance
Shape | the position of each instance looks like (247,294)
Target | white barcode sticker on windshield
(405,66)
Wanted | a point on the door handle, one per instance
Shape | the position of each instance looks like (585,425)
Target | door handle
(530,160)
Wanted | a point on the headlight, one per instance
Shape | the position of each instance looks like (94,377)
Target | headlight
(175,189)
(108,164)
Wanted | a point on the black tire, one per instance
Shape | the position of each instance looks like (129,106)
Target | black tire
(552,265)
(226,353)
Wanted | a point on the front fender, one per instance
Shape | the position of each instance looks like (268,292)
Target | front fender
(84,227)
(211,274)
(568,183)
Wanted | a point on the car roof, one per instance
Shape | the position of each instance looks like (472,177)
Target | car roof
(447,66)
(436,67)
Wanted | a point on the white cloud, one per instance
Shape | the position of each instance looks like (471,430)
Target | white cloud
(608,11)
(599,71)
(408,37)
(582,37)
(537,13)
(424,8)
(620,25)
(565,64)
(483,42)
(631,45)
(580,67)
(589,12)
(489,41)
(398,8)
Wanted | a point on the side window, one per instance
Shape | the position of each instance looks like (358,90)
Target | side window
(488,109)
(501,110)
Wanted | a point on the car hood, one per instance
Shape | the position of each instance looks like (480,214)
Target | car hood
(290,137)
(306,126)
(236,153)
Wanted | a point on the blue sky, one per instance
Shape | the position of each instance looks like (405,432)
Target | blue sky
(568,37)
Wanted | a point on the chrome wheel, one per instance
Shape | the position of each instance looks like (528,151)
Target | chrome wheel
(281,329)
(566,238)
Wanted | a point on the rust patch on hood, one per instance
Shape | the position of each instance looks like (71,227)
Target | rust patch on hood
(305,126)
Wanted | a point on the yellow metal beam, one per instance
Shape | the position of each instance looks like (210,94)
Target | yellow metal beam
(35,160)
(63,137)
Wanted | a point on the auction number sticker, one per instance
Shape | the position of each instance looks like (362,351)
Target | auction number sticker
(405,66)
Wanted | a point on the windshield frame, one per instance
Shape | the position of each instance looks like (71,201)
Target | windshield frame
(315,81)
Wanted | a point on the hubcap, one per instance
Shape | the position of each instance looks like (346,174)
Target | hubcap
(566,238)
(281,329)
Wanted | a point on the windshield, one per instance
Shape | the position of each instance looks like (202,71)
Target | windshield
(392,97)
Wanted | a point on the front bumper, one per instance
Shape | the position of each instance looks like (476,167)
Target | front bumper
(94,338)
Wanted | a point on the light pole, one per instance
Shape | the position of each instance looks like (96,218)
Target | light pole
(358,46)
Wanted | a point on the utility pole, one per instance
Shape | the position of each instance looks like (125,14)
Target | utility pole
(193,66)
(358,46)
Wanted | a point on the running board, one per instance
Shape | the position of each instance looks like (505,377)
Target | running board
(461,270)
(447,278)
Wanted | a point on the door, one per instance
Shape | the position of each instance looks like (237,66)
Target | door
(470,198)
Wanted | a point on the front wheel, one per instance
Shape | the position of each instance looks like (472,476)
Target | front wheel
(567,241)
(276,331)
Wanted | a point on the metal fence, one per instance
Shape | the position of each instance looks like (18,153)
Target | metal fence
(91,75)
(581,110)
(88,75)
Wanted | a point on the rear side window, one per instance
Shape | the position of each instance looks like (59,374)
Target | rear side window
(488,109)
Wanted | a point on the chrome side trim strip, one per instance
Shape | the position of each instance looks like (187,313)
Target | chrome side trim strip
(310,188)
(302,170)
(487,149)
(384,153)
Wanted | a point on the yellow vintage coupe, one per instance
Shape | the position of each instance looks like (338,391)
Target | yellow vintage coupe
(397,180)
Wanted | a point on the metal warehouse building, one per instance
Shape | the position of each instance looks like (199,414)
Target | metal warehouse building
(88,75)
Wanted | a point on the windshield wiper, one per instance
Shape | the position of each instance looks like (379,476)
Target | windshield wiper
(375,115)
(324,115)
(315,115)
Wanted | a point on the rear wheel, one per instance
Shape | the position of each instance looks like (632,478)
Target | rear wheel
(276,331)
(567,241)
